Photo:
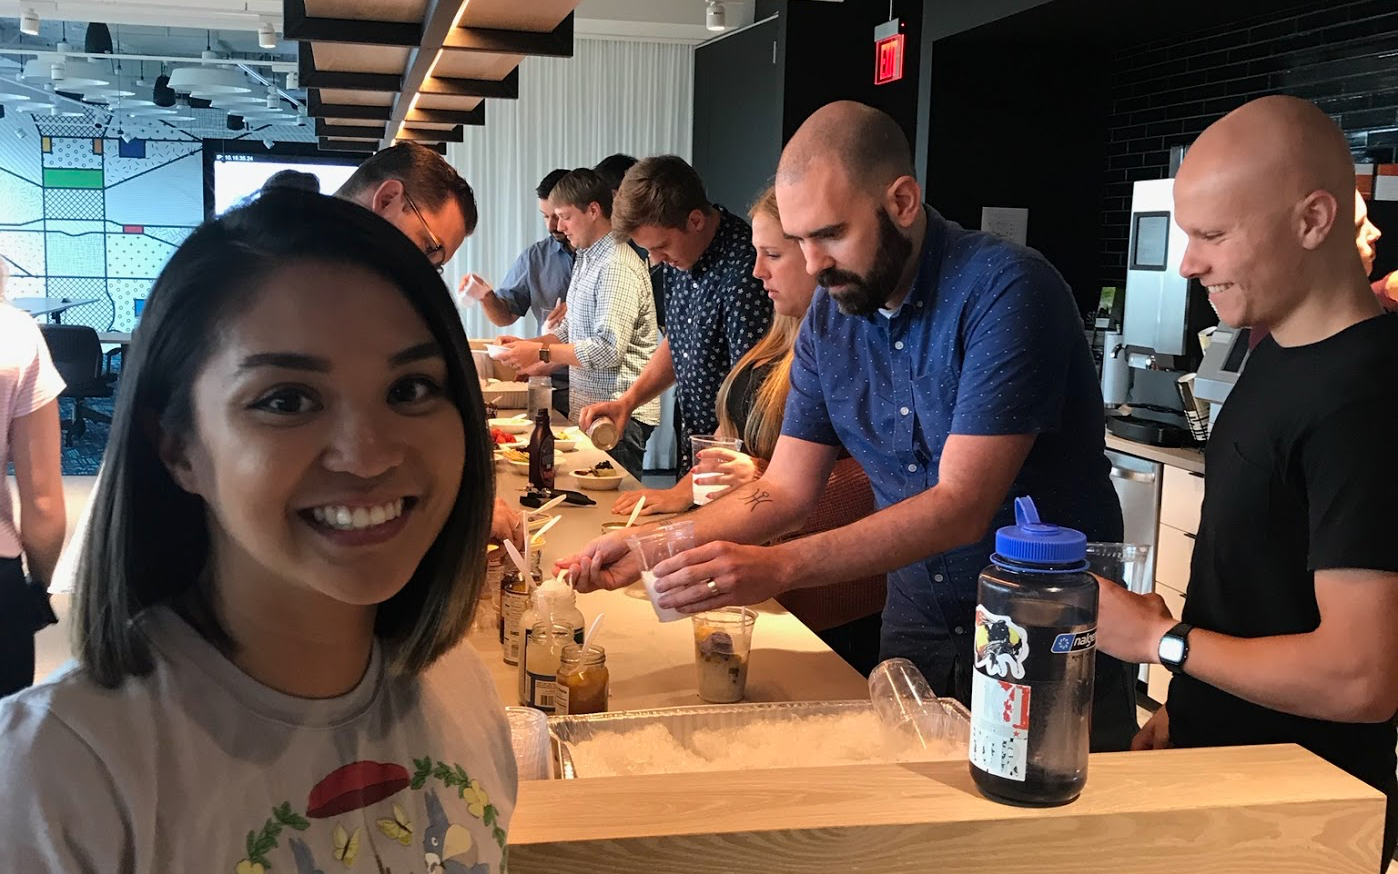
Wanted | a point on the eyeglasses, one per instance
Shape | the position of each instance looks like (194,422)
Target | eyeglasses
(436,248)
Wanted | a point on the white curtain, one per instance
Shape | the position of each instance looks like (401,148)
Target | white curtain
(611,96)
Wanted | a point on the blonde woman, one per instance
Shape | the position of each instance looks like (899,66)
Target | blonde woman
(751,402)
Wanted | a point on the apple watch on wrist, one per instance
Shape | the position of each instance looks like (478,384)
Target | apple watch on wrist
(1174,648)
(544,355)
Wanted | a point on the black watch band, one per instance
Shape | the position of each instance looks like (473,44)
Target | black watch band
(1174,647)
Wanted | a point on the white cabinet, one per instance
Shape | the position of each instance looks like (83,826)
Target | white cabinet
(1181,499)
(1175,549)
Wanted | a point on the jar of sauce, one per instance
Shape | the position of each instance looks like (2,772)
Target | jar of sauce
(583,680)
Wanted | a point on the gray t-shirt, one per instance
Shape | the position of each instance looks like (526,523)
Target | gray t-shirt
(198,767)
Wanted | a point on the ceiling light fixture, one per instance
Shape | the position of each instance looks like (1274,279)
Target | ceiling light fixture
(266,35)
(29,22)
(293,80)
(715,18)
(208,81)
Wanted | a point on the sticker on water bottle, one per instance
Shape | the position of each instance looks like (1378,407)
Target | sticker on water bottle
(999,727)
(1001,645)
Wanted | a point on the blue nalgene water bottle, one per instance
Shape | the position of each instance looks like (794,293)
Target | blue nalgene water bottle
(1036,639)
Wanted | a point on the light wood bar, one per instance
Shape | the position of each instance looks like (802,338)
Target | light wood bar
(1261,810)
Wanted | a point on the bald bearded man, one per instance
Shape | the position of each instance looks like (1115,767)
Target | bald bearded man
(1290,628)
(951,364)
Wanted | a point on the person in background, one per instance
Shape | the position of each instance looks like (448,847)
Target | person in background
(613,170)
(420,194)
(1289,632)
(297,179)
(751,402)
(30,439)
(537,282)
(1366,235)
(715,308)
(952,365)
(294,514)
(609,333)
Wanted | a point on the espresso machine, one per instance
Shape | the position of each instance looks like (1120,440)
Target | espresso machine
(1163,315)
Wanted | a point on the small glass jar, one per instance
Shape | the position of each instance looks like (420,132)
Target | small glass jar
(515,593)
(583,680)
(541,660)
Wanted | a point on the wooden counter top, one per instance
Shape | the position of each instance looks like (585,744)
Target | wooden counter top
(652,663)
(1260,810)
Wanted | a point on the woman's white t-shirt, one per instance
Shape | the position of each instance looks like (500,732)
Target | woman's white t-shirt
(198,767)
(28,381)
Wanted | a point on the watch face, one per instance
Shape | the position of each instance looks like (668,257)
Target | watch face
(1171,650)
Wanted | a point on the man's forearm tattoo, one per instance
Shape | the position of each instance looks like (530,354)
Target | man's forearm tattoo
(757,499)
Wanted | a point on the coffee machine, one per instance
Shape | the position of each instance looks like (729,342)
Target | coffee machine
(1163,316)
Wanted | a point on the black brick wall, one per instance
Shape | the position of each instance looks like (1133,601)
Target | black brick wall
(1344,57)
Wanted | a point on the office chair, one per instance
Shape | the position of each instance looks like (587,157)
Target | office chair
(77,354)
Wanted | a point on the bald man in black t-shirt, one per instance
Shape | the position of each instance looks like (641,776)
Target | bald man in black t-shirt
(1290,631)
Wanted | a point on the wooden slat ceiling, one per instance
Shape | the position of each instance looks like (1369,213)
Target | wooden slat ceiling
(386,70)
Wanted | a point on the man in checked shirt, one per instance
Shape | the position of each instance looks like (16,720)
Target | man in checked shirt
(609,334)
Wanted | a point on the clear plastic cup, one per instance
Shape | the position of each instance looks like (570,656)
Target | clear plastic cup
(653,547)
(529,735)
(703,481)
(910,711)
(1123,563)
(722,648)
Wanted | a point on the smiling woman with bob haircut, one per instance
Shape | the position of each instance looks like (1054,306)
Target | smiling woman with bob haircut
(287,549)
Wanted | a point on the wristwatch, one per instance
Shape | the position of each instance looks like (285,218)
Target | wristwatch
(544,355)
(1174,648)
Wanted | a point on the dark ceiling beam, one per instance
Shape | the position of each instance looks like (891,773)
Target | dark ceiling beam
(299,26)
(366,146)
(316,107)
(431,135)
(312,77)
(348,131)
(447,116)
(437,21)
(506,88)
(557,43)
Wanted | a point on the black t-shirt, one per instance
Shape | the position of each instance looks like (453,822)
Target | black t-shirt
(742,395)
(1300,477)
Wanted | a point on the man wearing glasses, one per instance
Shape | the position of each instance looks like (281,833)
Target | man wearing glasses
(414,189)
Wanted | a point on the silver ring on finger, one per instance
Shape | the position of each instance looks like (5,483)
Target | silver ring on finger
(713,588)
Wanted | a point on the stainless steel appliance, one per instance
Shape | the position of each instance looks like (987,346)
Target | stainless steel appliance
(1223,363)
(1164,310)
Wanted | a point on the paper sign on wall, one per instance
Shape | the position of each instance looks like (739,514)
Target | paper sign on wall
(1010,222)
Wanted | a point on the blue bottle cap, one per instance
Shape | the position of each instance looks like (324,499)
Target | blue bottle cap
(1037,543)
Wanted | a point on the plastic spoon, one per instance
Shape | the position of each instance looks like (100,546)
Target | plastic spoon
(518,559)
(546,526)
(635,511)
(553,502)
(591,632)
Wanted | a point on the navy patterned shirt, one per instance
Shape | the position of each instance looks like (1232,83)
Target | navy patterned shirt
(988,342)
(715,312)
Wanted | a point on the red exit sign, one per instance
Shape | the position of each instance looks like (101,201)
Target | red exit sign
(888,60)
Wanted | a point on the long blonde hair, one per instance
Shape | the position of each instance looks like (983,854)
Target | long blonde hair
(764,424)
